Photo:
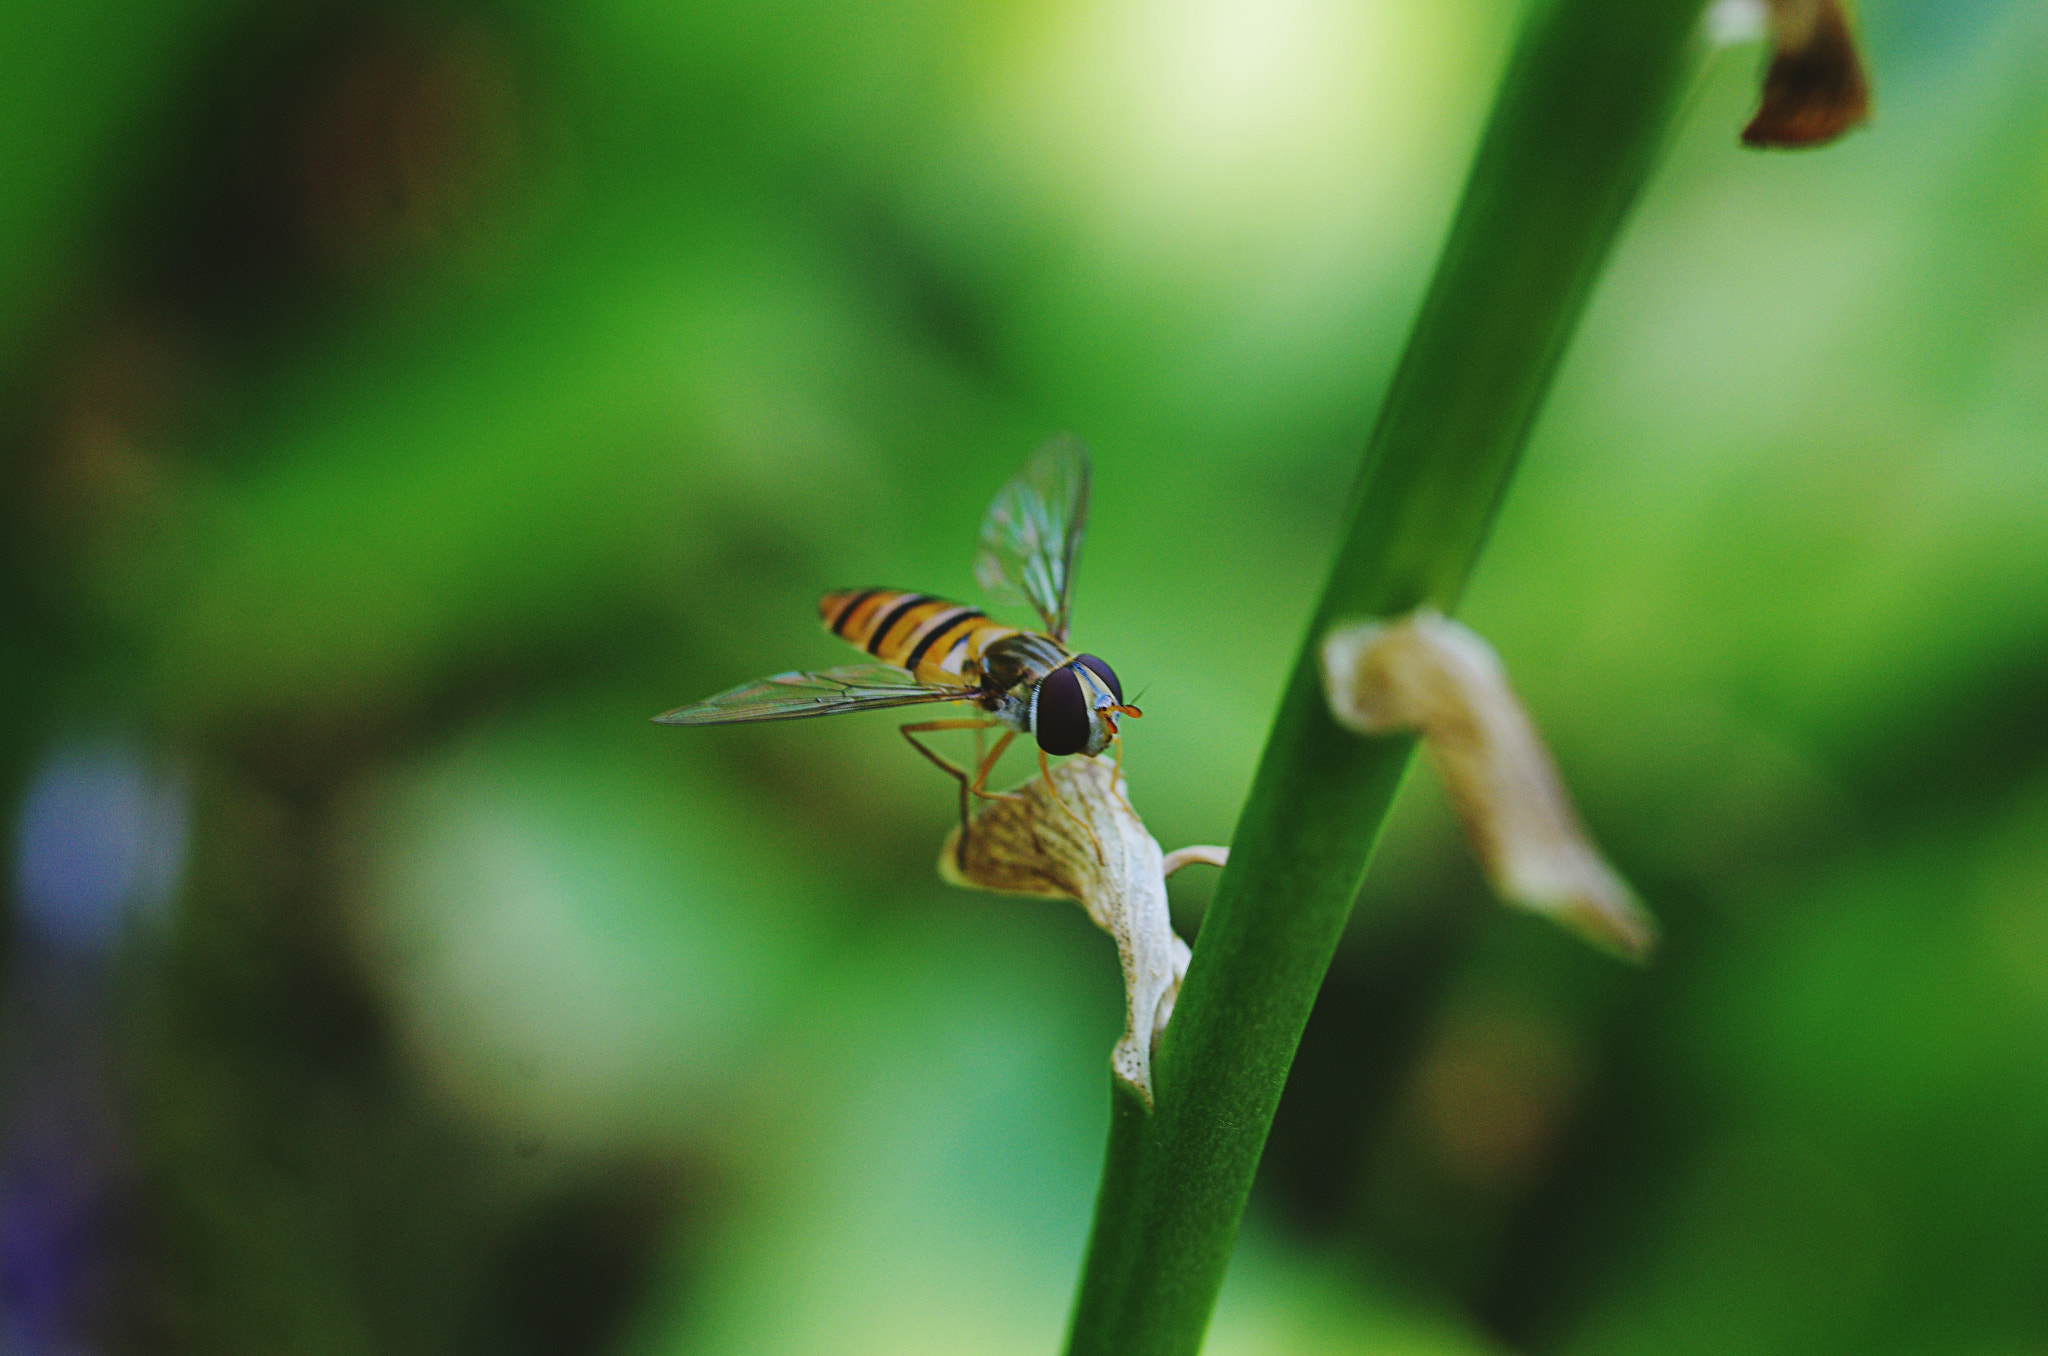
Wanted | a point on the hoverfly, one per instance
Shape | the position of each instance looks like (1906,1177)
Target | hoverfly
(937,651)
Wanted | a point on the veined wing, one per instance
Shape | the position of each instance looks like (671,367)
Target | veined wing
(793,696)
(1032,534)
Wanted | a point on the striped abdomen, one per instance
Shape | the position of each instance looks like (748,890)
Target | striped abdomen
(938,641)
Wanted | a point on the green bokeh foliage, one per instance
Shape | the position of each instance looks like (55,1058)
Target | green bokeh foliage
(405,404)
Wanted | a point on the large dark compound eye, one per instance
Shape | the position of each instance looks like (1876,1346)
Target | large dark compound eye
(1060,719)
(1106,674)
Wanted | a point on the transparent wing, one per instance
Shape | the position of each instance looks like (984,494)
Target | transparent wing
(1032,534)
(793,696)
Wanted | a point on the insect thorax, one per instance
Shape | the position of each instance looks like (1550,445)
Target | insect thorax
(1022,658)
(1009,668)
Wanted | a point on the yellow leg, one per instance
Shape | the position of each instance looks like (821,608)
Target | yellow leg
(968,786)
(1116,780)
(988,765)
(1045,775)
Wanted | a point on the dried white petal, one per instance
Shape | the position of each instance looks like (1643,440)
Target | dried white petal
(1100,855)
(1187,856)
(1428,674)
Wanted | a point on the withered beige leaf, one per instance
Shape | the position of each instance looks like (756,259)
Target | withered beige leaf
(1428,674)
(1095,850)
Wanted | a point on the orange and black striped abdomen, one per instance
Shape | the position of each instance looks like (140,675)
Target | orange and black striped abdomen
(931,637)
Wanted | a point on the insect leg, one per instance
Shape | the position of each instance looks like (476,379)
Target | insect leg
(1116,778)
(987,765)
(1045,774)
(967,785)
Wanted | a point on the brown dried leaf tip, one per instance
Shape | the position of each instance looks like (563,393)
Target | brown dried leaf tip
(1428,674)
(1080,839)
(1815,88)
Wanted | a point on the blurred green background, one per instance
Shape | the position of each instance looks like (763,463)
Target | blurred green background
(403,403)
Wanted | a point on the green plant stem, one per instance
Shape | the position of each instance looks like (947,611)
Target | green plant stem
(1582,112)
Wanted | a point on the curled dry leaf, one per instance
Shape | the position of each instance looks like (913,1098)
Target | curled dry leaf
(1096,851)
(1428,674)
(1814,89)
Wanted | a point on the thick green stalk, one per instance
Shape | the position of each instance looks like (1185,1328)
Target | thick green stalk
(1582,112)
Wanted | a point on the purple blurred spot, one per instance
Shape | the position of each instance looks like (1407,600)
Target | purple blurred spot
(49,1247)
